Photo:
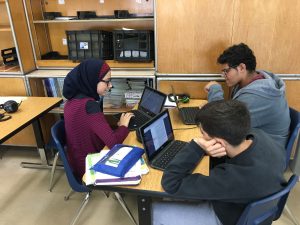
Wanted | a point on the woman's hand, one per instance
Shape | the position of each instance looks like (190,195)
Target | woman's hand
(124,119)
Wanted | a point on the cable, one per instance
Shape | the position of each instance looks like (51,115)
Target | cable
(186,128)
(4,117)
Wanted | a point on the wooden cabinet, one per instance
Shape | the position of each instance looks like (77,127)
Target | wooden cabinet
(14,33)
(192,86)
(50,35)
(191,34)
(132,77)
(293,92)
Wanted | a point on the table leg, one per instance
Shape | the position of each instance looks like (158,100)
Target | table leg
(40,147)
(144,210)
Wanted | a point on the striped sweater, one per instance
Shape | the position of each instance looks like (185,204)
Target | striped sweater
(87,131)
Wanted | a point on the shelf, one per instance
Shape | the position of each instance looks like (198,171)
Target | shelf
(5,28)
(71,64)
(96,20)
(116,73)
(9,69)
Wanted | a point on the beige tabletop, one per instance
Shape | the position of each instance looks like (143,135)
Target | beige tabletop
(30,109)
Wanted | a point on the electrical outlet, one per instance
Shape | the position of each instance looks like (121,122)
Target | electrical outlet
(61,2)
(64,41)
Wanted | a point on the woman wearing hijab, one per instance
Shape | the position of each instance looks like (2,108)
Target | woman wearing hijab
(87,130)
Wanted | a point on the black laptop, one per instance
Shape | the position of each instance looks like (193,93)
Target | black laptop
(151,103)
(158,140)
(187,114)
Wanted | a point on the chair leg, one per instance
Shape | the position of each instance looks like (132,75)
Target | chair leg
(291,214)
(68,195)
(82,206)
(124,206)
(106,193)
(53,171)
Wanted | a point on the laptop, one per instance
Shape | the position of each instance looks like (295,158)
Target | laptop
(187,114)
(158,141)
(151,103)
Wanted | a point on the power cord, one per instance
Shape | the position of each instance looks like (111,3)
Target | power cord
(4,117)
(186,128)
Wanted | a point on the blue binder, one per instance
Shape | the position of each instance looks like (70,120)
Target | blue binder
(112,164)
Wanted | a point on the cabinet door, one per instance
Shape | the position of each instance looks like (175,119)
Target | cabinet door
(293,93)
(193,88)
(14,33)
(271,28)
(191,34)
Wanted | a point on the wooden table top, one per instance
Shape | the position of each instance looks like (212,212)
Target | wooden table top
(30,109)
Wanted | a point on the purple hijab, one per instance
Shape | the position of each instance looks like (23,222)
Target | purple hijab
(83,79)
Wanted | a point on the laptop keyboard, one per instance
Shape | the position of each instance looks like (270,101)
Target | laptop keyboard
(189,114)
(138,119)
(169,154)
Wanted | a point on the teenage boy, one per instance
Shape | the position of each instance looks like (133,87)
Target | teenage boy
(262,91)
(251,168)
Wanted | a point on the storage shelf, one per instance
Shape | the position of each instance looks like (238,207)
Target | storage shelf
(71,64)
(122,73)
(96,20)
(9,69)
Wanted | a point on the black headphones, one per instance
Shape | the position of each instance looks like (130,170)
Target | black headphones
(10,106)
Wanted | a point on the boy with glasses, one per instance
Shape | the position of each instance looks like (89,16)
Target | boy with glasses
(262,91)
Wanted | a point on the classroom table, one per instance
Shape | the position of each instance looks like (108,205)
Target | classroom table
(150,185)
(29,112)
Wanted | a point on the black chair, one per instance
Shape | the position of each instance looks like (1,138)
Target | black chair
(268,209)
(58,135)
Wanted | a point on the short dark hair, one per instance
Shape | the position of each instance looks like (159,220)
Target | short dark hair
(229,120)
(237,54)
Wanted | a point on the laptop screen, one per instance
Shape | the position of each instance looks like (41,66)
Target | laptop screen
(156,134)
(152,101)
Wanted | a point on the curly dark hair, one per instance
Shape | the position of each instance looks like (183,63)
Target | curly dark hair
(237,54)
(229,120)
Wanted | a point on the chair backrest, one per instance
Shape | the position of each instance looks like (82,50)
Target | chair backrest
(294,131)
(59,137)
(268,209)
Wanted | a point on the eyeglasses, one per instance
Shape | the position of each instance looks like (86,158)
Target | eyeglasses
(106,81)
(226,70)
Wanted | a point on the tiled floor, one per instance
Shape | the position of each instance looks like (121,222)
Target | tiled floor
(25,200)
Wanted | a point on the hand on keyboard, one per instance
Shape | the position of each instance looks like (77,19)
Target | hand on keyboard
(124,119)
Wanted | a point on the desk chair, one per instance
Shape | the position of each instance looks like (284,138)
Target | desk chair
(294,132)
(58,135)
(268,209)
(293,138)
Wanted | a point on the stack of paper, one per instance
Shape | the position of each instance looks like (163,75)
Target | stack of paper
(132,177)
